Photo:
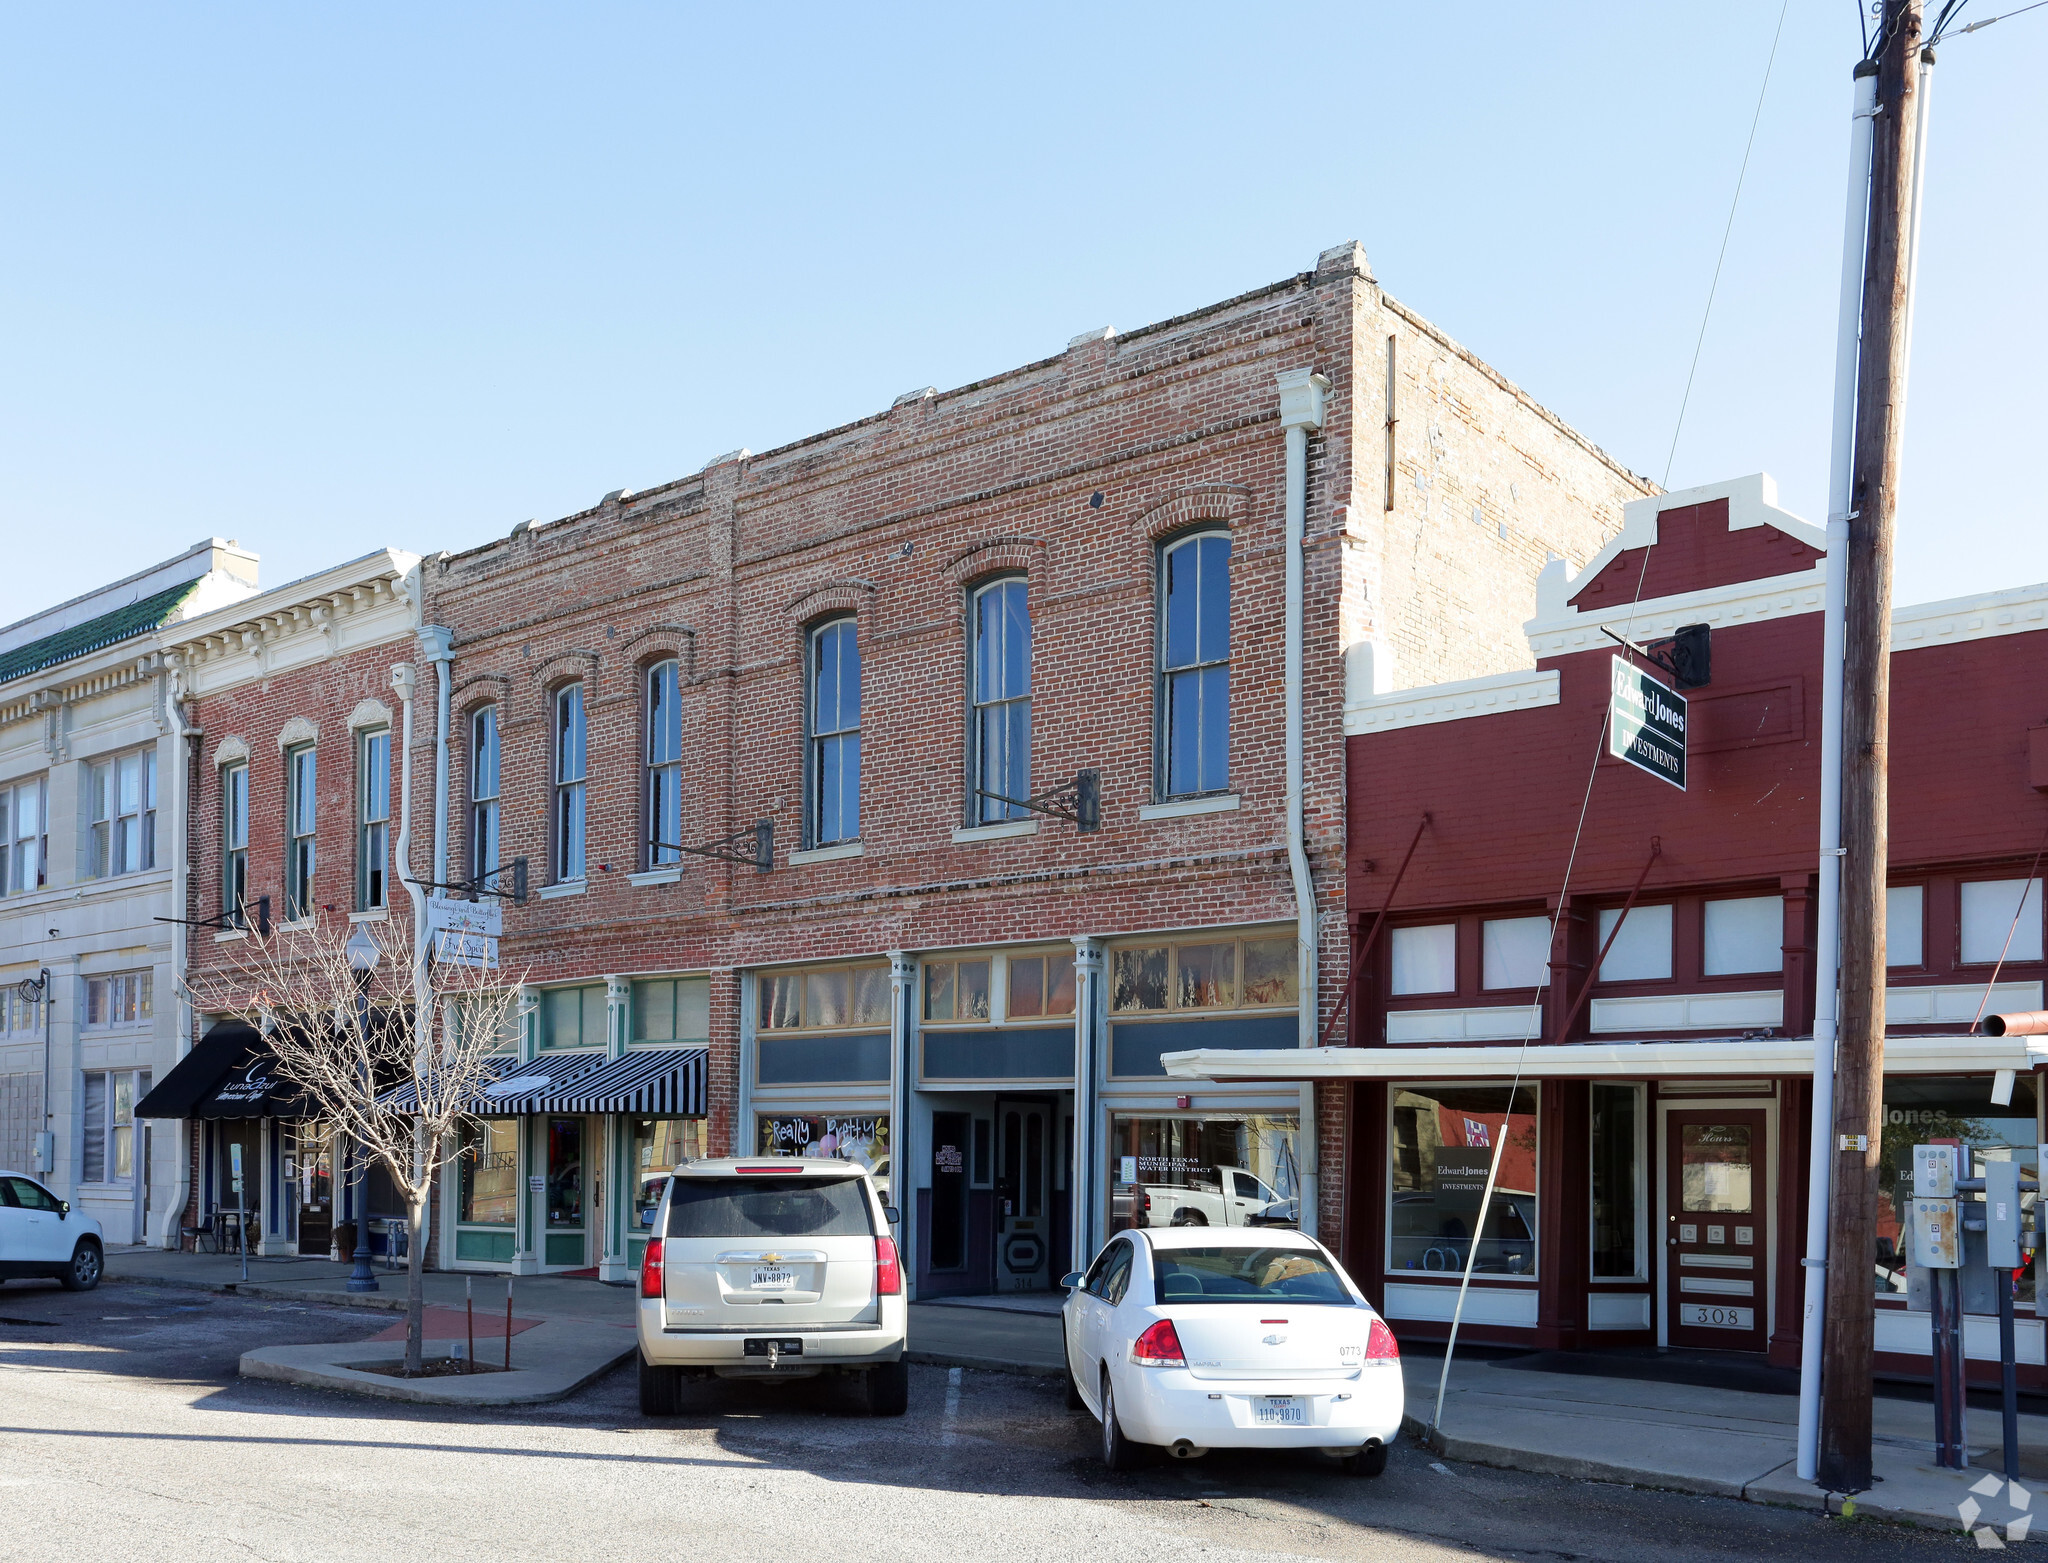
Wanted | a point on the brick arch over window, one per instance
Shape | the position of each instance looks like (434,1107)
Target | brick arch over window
(1212,502)
(660,643)
(998,555)
(566,667)
(833,599)
(479,689)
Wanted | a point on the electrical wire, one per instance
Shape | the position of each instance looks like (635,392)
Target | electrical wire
(2022,11)
(2026,887)
(1714,286)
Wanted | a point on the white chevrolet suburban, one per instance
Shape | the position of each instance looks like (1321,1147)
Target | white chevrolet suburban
(771,1267)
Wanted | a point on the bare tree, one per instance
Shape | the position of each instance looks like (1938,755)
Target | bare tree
(388,1049)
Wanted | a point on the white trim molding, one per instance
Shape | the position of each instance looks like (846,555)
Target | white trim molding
(299,730)
(369,713)
(1956,1004)
(1002,830)
(230,750)
(1617,1310)
(1183,808)
(1689,1011)
(1485,1023)
(1510,1305)
(831,854)
(1519,691)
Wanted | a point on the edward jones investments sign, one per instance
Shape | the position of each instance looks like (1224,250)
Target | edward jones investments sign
(1646,724)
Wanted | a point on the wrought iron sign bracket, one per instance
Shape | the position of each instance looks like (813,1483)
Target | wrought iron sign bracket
(236,921)
(752,848)
(1079,801)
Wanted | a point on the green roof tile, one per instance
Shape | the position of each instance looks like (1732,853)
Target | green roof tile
(109,629)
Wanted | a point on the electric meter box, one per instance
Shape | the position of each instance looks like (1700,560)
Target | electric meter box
(1934,1172)
(1936,1233)
(2003,1228)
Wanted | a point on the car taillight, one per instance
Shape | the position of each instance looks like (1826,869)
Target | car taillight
(1159,1347)
(1379,1345)
(888,1268)
(650,1269)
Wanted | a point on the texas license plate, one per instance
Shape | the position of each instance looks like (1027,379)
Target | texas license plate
(770,1278)
(1283,1409)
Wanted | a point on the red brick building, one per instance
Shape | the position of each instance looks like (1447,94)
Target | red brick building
(1654,1191)
(870,652)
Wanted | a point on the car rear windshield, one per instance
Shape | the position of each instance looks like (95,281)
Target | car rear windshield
(1245,1275)
(768,1207)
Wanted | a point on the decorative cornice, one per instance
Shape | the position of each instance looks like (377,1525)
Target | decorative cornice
(1519,691)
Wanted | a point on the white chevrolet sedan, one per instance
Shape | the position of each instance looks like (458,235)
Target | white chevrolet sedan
(1198,1338)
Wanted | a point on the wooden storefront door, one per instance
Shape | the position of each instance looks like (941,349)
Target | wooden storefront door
(1717,1229)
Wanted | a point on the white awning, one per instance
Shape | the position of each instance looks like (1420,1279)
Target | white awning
(1751,1058)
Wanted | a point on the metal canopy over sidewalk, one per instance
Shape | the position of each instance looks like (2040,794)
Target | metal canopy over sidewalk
(666,1082)
(1753,1058)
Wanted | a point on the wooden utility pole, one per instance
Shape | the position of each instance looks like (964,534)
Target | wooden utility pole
(1844,1464)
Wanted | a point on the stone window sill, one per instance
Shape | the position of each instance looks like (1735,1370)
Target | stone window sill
(1181,808)
(375,914)
(1003,830)
(656,876)
(230,935)
(557,892)
(831,854)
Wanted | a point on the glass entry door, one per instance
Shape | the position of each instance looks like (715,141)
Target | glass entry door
(567,1196)
(314,1163)
(1025,1148)
(1717,1230)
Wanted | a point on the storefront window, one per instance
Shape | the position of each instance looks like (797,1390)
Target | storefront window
(487,1173)
(844,996)
(1617,1182)
(660,1145)
(1040,985)
(1443,1143)
(1236,1169)
(1930,1110)
(862,1138)
(956,990)
(565,1172)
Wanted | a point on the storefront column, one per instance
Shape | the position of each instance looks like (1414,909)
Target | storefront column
(903,1070)
(1088,1178)
(533,1152)
(614,1189)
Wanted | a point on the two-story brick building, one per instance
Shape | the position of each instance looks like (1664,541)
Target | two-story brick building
(1652,1069)
(884,643)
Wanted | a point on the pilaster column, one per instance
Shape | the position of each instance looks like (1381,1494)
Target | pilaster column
(902,1191)
(1088,1178)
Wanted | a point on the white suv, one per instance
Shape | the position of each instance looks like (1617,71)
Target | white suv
(771,1267)
(40,1234)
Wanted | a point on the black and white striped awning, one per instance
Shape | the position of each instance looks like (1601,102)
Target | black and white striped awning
(406,1098)
(659,1082)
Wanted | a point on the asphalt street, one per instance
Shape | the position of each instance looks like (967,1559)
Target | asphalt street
(125,1433)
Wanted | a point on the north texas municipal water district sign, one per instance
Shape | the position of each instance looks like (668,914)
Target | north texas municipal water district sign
(1646,724)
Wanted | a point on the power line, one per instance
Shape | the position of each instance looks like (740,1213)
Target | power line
(1715,285)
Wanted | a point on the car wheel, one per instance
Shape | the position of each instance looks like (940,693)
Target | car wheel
(661,1390)
(83,1273)
(1189,1218)
(889,1388)
(1118,1452)
(1369,1461)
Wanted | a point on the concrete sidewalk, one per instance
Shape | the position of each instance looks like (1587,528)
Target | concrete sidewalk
(1730,1443)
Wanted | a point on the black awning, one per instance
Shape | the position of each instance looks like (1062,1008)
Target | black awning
(231,1073)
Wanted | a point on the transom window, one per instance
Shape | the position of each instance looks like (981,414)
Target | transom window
(1039,985)
(1000,735)
(122,791)
(672,1009)
(373,817)
(956,990)
(24,835)
(834,779)
(1212,974)
(573,1017)
(123,999)
(301,774)
(664,766)
(483,793)
(571,757)
(837,998)
(1194,665)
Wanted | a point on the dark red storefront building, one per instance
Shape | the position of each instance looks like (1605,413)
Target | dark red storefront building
(1653,1186)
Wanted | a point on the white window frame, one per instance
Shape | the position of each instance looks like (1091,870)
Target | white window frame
(839,740)
(118,999)
(122,827)
(1170,674)
(116,1133)
(997,764)
(24,858)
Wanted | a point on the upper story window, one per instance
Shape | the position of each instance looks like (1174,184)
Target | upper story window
(1905,937)
(1212,974)
(1425,959)
(24,835)
(2001,920)
(1641,952)
(373,818)
(838,997)
(834,773)
(571,757)
(664,766)
(301,776)
(1194,665)
(234,835)
(999,736)
(1744,935)
(122,794)
(1515,952)
(483,792)
(123,999)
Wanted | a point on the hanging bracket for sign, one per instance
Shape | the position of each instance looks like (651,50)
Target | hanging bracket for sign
(1079,801)
(237,921)
(1646,723)
(751,848)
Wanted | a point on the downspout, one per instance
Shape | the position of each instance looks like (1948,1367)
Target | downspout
(1828,901)
(1301,409)
(438,642)
(181,875)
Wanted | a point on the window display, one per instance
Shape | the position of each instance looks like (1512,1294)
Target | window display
(1236,1169)
(1442,1147)
(857,1137)
(1930,1109)
(1617,1182)
(660,1145)
(487,1173)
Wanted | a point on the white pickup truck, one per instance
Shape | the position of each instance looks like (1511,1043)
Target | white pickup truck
(1237,1199)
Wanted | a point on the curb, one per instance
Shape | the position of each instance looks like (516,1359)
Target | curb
(335,1376)
(948,1359)
(384,1300)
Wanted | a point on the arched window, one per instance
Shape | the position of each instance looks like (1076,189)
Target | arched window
(999,737)
(483,793)
(1194,665)
(664,766)
(570,762)
(834,764)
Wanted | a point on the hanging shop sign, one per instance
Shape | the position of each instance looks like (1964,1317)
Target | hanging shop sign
(1646,724)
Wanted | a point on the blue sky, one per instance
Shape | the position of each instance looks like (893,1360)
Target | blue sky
(321,279)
